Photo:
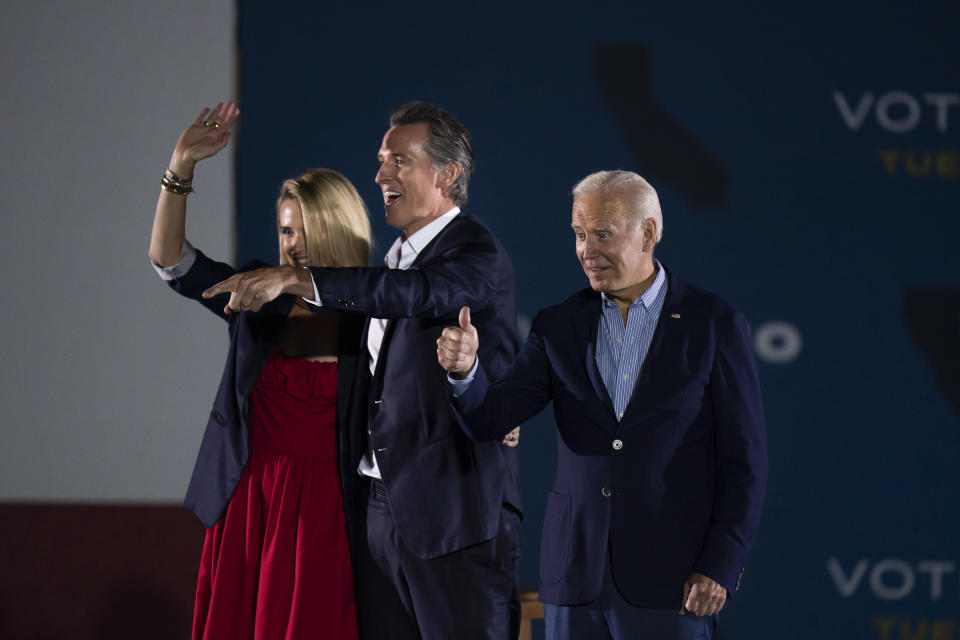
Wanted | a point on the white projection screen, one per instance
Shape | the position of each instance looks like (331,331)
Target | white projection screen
(108,375)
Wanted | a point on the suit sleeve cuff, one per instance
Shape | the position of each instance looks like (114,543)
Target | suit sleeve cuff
(459,387)
(316,293)
(722,562)
(174,272)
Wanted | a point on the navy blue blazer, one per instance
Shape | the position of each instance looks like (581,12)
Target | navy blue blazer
(676,486)
(253,335)
(445,490)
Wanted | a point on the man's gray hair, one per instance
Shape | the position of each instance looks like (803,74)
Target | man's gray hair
(448,142)
(639,197)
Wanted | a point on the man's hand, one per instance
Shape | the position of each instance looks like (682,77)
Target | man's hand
(250,290)
(512,439)
(702,596)
(457,347)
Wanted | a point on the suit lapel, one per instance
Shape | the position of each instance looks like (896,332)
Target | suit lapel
(431,246)
(264,327)
(376,388)
(353,389)
(586,324)
(349,360)
(663,351)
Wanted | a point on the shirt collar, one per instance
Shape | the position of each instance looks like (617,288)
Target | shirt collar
(648,297)
(412,246)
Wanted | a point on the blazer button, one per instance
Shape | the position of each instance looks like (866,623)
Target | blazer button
(606,492)
(617,445)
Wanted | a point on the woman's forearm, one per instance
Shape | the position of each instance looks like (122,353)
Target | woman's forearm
(203,138)
(169,220)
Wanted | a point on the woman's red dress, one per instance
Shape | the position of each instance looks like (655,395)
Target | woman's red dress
(277,564)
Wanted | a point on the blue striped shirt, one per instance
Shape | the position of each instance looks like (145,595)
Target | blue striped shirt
(621,349)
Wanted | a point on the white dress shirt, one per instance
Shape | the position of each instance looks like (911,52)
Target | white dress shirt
(400,256)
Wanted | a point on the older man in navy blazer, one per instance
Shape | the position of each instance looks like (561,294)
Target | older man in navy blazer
(442,511)
(662,458)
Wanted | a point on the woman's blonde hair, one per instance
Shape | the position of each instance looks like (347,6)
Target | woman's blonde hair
(336,225)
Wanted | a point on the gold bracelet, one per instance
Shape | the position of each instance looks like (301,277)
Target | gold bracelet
(175,184)
(177,180)
(175,188)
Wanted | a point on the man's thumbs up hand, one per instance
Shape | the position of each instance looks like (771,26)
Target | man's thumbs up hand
(457,347)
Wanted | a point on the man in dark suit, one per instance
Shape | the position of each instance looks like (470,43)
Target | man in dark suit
(442,511)
(662,458)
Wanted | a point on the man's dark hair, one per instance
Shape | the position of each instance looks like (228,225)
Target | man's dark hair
(448,141)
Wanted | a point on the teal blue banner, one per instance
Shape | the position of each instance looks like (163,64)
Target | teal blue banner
(808,164)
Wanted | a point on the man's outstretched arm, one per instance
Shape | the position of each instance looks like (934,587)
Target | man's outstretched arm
(487,410)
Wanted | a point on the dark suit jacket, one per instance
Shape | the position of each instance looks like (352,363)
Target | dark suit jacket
(445,490)
(223,451)
(677,486)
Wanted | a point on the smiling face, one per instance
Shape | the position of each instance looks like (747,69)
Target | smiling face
(293,241)
(615,251)
(414,192)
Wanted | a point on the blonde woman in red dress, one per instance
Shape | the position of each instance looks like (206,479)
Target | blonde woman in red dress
(276,562)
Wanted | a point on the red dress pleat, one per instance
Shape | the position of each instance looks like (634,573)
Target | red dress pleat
(277,565)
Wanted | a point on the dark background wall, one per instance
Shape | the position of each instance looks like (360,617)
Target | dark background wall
(808,164)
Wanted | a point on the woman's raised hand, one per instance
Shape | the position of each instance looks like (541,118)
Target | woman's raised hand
(207,135)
